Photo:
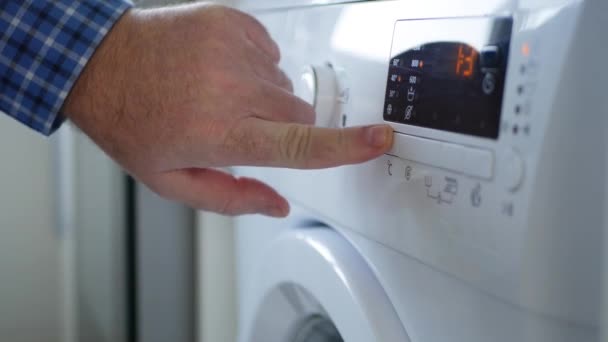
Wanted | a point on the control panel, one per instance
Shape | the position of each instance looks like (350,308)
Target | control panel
(452,79)
(445,91)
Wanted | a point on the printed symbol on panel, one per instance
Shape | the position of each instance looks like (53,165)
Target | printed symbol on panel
(389,109)
(389,167)
(409,111)
(476,196)
(396,61)
(392,93)
(451,186)
(442,197)
(508,209)
(394,77)
(488,84)
(344,95)
(411,94)
(417,48)
(408,172)
(413,79)
(449,191)
(428,181)
(415,63)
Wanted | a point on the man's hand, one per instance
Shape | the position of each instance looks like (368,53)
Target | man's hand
(173,93)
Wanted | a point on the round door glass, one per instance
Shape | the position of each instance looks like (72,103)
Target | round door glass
(317,329)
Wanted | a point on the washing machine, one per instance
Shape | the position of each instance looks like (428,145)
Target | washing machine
(484,222)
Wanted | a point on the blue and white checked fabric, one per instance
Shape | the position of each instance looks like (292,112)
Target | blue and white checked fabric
(44,46)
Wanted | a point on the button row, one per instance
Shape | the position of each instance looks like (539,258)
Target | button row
(461,159)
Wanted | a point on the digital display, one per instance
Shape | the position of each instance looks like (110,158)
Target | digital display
(465,64)
(449,77)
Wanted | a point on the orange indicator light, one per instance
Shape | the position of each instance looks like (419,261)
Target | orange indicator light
(465,64)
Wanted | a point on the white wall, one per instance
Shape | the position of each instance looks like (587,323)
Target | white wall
(30,280)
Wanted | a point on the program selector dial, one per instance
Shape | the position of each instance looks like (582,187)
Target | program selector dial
(318,85)
(515,169)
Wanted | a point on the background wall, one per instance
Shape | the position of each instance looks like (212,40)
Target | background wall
(30,249)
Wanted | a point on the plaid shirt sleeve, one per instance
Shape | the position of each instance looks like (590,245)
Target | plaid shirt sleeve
(44,46)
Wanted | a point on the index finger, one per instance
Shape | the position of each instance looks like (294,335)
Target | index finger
(291,145)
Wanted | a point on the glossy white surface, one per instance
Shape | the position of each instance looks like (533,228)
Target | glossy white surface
(325,266)
(515,256)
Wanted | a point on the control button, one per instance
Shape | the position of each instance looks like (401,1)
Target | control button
(515,129)
(306,88)
(327,96)
(488,85)
(458,158)
(514,170)
(318,85)
(517,109)
(490,57)
(477,162)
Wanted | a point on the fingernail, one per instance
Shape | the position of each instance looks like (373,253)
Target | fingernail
(278,211)
(378,136)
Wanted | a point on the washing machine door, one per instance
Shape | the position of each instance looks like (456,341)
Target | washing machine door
(315,287)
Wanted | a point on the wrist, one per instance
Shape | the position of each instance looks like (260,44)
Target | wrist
(96,91)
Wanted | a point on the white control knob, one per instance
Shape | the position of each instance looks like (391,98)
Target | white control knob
(318,85)
(306,86)
(514,169)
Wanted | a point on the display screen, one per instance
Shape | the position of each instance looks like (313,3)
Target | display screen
(448,74)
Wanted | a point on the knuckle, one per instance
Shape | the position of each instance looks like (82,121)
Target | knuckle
(286,81)
(295,143)
(228,207)
(243,141)
(305,112)
(226,81)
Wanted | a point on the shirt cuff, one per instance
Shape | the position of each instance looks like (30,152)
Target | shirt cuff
(44,46)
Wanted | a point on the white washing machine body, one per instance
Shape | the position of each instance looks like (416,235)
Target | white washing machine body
(485,222)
